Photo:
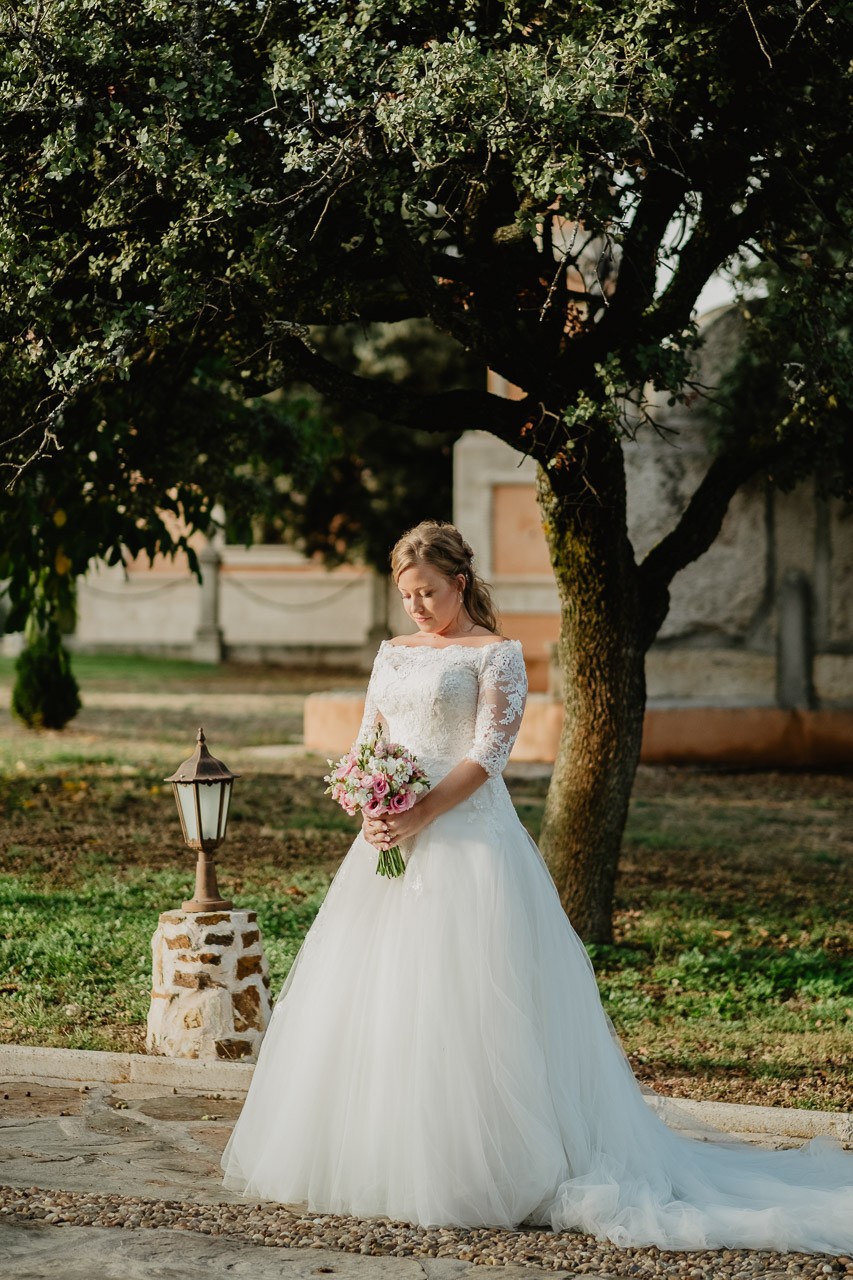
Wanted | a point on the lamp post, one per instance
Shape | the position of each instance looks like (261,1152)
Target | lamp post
(209,975)
(202,787)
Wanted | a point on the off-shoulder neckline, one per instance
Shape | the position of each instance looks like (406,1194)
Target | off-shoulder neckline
(439,648)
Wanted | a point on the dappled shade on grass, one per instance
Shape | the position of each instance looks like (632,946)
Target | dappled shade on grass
(731,977)
(732,973)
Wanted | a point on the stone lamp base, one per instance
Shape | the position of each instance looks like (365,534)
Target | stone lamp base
(210,990)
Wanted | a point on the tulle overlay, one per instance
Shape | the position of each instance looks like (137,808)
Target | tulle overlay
(439,1054)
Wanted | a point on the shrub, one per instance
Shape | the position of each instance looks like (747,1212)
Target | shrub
(46,695)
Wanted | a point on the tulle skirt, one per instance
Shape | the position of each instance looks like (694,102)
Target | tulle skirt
(439,1055)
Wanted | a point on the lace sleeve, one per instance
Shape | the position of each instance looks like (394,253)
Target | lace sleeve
(500,705)
(372,715)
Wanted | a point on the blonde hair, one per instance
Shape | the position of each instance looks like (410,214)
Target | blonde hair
(441,545)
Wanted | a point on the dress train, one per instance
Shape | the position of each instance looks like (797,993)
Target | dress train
(439,1053)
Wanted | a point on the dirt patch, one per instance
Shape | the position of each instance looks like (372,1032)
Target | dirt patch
(48,824)
(815,1089)
(25,1100)
(185,1107)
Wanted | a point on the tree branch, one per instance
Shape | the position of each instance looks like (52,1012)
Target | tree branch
(482,321)
(382,308)
(444,411)
(635,287)
(718,234)
(711,244)
(696,529)
(418,278)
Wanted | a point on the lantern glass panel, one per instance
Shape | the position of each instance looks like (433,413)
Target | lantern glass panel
(208,800)
(186,799)
(226,800)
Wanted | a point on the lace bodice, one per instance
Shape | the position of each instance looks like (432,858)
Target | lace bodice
(448,704)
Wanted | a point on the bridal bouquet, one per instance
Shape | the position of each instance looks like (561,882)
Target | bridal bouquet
(378,777)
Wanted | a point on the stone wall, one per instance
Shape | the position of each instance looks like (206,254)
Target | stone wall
(271,603)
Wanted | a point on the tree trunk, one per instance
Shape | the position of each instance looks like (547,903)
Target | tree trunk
(602,660)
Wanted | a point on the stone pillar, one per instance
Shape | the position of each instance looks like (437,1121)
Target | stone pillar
(794,684)
(210,991)
(379,628)
(207,643)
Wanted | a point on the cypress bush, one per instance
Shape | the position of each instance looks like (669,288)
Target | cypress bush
(46,695)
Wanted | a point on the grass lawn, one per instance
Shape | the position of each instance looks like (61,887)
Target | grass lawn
(731,977)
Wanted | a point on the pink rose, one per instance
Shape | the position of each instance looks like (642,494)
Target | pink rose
(380,784)
(399,804)
(374,807)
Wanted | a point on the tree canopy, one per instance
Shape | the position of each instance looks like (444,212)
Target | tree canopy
(351,507)
(188,189)
(193,190)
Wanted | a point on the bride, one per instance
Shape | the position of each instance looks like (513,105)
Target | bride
(439,1053)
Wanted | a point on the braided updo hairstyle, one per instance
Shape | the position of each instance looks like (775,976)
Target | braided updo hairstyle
(441,545)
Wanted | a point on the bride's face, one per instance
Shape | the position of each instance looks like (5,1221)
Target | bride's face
(430,598)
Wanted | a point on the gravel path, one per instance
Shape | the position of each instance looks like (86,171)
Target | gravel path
(276,1226)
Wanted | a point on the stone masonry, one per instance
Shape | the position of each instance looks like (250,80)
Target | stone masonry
(210,990)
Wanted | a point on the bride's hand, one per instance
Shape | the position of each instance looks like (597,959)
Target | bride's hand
(373,831)
(389,829)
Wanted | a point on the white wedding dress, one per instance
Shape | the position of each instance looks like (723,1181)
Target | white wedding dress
(439,1053)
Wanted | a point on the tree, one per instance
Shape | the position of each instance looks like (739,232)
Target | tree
(141,466)
(46,695)
(550,186)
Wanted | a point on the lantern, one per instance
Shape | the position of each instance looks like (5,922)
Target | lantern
(202,788)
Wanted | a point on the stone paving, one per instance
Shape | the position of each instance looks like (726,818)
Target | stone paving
(123,1181)
(33,1251)
(131,1137)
